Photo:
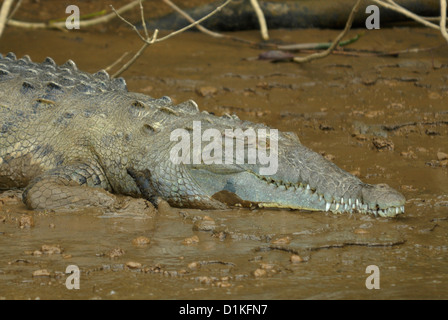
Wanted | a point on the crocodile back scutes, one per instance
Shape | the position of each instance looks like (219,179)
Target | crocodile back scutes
(66,75)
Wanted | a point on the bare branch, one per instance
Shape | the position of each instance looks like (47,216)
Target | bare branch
(4,11)
(325,53)
(142,14)
(111,66)
(129,23)
(191,20)
(395,7)
(261,19)
(13,12)
(443,19)
(195,23)
(82,24)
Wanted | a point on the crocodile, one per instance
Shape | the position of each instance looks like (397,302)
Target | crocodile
(72,139)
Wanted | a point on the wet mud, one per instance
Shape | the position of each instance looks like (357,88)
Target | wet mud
(383,118)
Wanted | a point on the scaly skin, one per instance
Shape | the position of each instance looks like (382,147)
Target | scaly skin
(74,139)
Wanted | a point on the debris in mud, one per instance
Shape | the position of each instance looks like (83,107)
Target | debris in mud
(207,91)
(431,132)
(276,56)
(48,249)
(194,265)
(206,224)
(382,144)
(436,163)
(408,154)
(325,127)
(191,240)
(51,249)
(133,265)
(361,231)
(442,156)
(26,221)
(41,273)
(295,258)
(141,241)
(115,253)
(442,160)
(259,273)
(283,240)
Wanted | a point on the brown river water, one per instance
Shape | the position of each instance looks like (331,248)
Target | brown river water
(382,118)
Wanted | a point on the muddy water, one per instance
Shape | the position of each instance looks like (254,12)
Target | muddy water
(382,118)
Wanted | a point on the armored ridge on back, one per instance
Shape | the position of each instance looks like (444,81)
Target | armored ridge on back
(75,139)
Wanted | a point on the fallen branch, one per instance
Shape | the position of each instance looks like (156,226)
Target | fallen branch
(13,12)
(4,11)
(390,4)
(191,20)
(111,66)
(443,19)
(82,24)
(261,19)
(325,53)
(317,45)
(395,7)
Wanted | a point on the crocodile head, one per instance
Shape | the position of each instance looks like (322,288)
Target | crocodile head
(188,170)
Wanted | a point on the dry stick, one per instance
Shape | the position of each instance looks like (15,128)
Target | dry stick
(172,34)
(148,41)
(13,12)
(116,62)
(4,11)
(261,19)
(443,19)
(395,7)
(209,32)
(442,27)
(61,25)
(191,20)
(335,42)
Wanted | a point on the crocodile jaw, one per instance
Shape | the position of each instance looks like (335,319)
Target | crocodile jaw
(251,189)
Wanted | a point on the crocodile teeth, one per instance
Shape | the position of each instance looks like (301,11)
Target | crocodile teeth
(327,206)
(337,206)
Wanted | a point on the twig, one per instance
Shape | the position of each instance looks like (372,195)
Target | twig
(325,53)
(13,12)
(147,41)
(172,34)
(443,19)
(191,20)
(317,45)
(4,11)
(151,40)
(442,26)
(111,66)
(82,24)
(395,7)
(261,19)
